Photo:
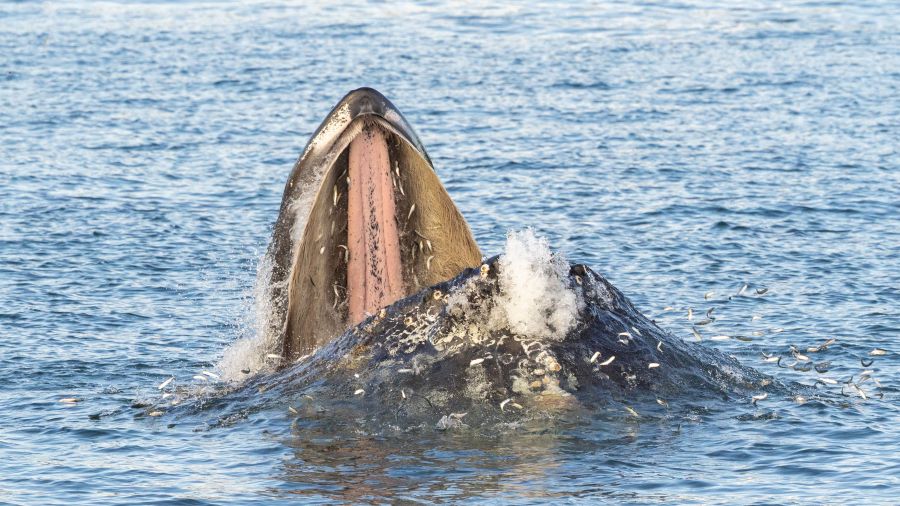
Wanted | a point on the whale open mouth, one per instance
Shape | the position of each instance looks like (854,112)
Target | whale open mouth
(364,222)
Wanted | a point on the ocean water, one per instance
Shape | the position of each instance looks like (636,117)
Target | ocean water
(679,148)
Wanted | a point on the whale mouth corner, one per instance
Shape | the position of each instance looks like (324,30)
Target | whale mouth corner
(364,222)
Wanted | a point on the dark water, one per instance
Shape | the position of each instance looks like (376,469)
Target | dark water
(677,147)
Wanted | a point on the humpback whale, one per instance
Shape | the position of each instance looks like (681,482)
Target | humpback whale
(384,305)
(364,222)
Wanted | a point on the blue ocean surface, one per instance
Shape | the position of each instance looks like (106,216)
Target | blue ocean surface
(739,155)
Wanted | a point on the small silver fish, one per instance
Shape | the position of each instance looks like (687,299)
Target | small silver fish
(696,333)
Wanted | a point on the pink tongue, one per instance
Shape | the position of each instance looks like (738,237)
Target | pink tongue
(374,278)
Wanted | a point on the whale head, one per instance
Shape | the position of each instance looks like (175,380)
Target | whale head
(364,221)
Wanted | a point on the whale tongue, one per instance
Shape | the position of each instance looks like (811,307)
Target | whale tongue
(374,275)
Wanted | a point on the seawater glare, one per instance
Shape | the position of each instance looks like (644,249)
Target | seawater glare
(741,158)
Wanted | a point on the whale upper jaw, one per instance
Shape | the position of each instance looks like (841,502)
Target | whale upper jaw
(359,103)
(364,221)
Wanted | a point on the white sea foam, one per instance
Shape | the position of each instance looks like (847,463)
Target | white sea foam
(534,297)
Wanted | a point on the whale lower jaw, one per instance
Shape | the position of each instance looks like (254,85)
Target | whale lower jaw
(364,222)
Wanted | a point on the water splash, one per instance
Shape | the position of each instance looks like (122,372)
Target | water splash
(252,353)
(534,297)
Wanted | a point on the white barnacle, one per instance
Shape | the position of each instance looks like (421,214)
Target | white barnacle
(359,391)
(608,361)
(166,383)
(408,321)
(476,361)
(437,295)
(504,403)
(652,365)
(405,371)
(594,357)
(293,411)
